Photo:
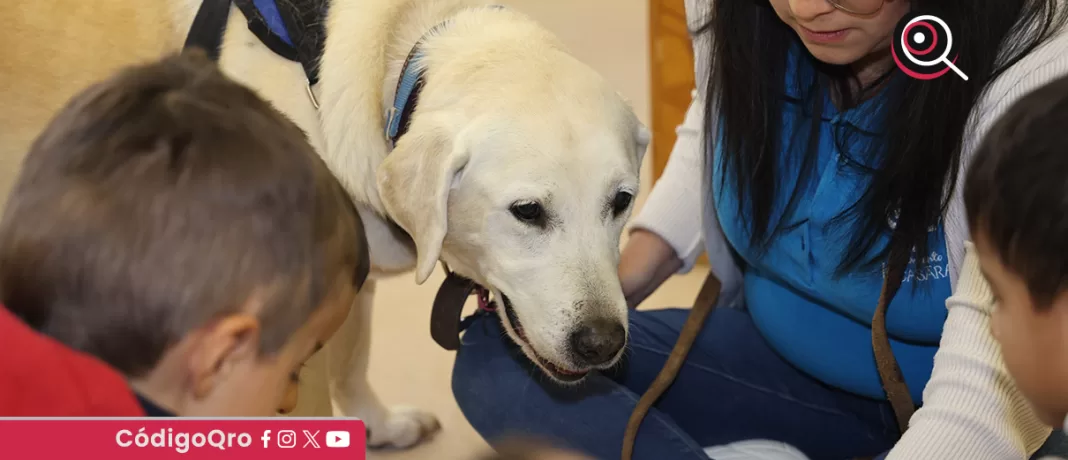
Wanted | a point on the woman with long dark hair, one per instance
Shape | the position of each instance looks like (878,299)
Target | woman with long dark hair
(818,171)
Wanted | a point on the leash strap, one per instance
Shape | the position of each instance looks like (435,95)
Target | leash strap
(208,27)
(893,380)
(706,301)
(897,391)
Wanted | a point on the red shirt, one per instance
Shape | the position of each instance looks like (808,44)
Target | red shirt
(40,377)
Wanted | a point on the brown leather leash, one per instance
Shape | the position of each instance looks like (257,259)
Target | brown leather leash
(893,381)
(897,392)
(706,300)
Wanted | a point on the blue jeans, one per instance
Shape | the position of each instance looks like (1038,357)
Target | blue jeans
(732,387)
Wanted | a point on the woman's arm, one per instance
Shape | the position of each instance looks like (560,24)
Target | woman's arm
(673,208)
(973,410)
(646,262)
(666,236)
(676,218)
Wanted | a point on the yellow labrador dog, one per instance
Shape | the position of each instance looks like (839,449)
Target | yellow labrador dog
(466,133)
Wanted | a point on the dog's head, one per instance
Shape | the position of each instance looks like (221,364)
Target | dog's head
(520,176)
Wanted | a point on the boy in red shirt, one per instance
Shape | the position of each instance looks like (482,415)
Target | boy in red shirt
(177,227)
(40,377)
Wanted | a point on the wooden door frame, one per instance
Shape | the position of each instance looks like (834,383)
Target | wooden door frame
(667,18)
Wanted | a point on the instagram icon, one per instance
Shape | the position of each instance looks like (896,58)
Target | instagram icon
(923,47)
(287,439)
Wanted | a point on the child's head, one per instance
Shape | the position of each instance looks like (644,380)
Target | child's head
(1016,194)
(172,223)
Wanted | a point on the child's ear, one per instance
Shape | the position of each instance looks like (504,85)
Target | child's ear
(223,345)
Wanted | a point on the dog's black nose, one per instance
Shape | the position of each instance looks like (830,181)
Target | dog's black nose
(598,341)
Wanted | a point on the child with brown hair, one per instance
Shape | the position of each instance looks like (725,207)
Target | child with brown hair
(1016,195)
(173,224)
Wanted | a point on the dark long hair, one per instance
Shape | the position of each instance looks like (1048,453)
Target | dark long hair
(917,154)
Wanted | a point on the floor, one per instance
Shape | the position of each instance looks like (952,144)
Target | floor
(408,368)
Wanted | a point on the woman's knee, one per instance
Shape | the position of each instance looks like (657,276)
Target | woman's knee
(483,374)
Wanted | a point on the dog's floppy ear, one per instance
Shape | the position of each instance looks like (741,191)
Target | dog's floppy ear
(642,137)
(414,182)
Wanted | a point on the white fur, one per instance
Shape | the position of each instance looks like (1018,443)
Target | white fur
(507,115)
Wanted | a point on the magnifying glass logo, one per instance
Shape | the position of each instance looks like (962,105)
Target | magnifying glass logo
(926,43)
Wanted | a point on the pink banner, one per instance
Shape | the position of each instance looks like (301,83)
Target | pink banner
(164,438)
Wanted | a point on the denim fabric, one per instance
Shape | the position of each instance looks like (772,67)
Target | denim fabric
(733,387)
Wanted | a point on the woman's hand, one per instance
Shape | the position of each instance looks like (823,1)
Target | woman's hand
(646,262)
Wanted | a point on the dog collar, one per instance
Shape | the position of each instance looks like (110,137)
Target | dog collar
(410,84)
(448,307)
(445,323)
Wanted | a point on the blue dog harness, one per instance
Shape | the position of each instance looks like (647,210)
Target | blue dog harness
(294,30)
(268,11)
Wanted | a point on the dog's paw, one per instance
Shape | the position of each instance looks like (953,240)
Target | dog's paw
(405,427)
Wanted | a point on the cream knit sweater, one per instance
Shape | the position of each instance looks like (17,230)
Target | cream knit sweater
(972,409)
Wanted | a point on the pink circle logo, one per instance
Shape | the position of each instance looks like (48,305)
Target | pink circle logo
(922,47)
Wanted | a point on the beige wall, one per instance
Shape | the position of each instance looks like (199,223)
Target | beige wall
(612,36)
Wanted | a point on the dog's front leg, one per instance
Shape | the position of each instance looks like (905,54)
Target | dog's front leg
(348,353)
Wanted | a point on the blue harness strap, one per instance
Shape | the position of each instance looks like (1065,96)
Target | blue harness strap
(269,10)
(292,29)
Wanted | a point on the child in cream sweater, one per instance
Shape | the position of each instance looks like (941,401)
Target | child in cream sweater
(1016,194)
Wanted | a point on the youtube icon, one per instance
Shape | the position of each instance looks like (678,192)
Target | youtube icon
(337,439)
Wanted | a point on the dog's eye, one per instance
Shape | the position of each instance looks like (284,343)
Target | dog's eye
(527,212)
(621,202)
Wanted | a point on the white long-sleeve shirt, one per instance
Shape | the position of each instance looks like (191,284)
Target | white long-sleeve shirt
(972,409)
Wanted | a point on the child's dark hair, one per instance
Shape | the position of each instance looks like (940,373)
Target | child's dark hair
(166,197)
(1016,190)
